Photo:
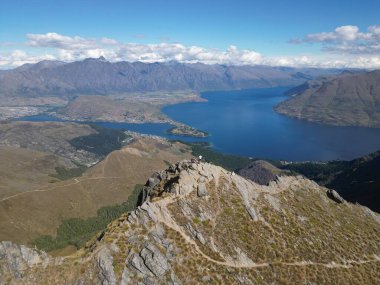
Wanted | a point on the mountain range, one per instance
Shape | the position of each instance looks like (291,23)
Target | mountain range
(98,76)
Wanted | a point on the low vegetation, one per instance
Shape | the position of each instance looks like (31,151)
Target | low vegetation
(77,232)
(63,173)
(102,143)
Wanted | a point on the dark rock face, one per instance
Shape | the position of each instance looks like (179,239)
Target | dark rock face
(346,100)
(260,171)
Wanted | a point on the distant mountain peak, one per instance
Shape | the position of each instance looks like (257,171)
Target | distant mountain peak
(100,58)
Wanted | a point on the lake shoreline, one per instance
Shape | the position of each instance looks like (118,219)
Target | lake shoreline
(244,123)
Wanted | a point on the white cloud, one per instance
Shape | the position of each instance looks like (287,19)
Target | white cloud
(70,48)
(55,40)
(190,54)
(332,61)
(74,48)
(108,41)
(346,39)
(19,57)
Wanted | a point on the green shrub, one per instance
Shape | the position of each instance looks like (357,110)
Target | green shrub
(63,173)
(101,143)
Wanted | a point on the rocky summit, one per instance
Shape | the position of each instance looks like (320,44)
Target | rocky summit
(199,223)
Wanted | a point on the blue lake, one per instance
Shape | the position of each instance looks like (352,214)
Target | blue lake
(244,123)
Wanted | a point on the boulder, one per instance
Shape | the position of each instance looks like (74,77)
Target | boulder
(202,190)
(105,265)
(154,260)
(333,195)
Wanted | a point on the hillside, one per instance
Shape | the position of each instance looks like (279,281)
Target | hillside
(50,137)
(200,223)
(23,169)
(98,76)
(261,172)
(357,180)
(52,201)
(348,100)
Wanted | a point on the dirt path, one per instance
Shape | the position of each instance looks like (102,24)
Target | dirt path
(76,181)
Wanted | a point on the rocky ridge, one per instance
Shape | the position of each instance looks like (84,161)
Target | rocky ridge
(200,223)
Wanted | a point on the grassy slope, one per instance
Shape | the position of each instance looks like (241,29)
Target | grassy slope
(23,169)
(76,232)
(110,182)
(36,154)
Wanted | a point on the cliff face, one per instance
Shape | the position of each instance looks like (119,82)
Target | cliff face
(348,100)
(202,224)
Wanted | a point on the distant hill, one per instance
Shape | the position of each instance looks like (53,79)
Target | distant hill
(98,76)
(345,100)
(261,172)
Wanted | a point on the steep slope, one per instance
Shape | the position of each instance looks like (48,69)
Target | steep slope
(203,224)
(358,180)
(348,100)
(98,76)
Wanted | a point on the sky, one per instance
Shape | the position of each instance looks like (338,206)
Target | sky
(308,33)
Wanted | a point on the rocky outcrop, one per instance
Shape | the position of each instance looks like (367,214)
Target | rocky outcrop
(105,264)
(332,194)
(228,230)
(16,259)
